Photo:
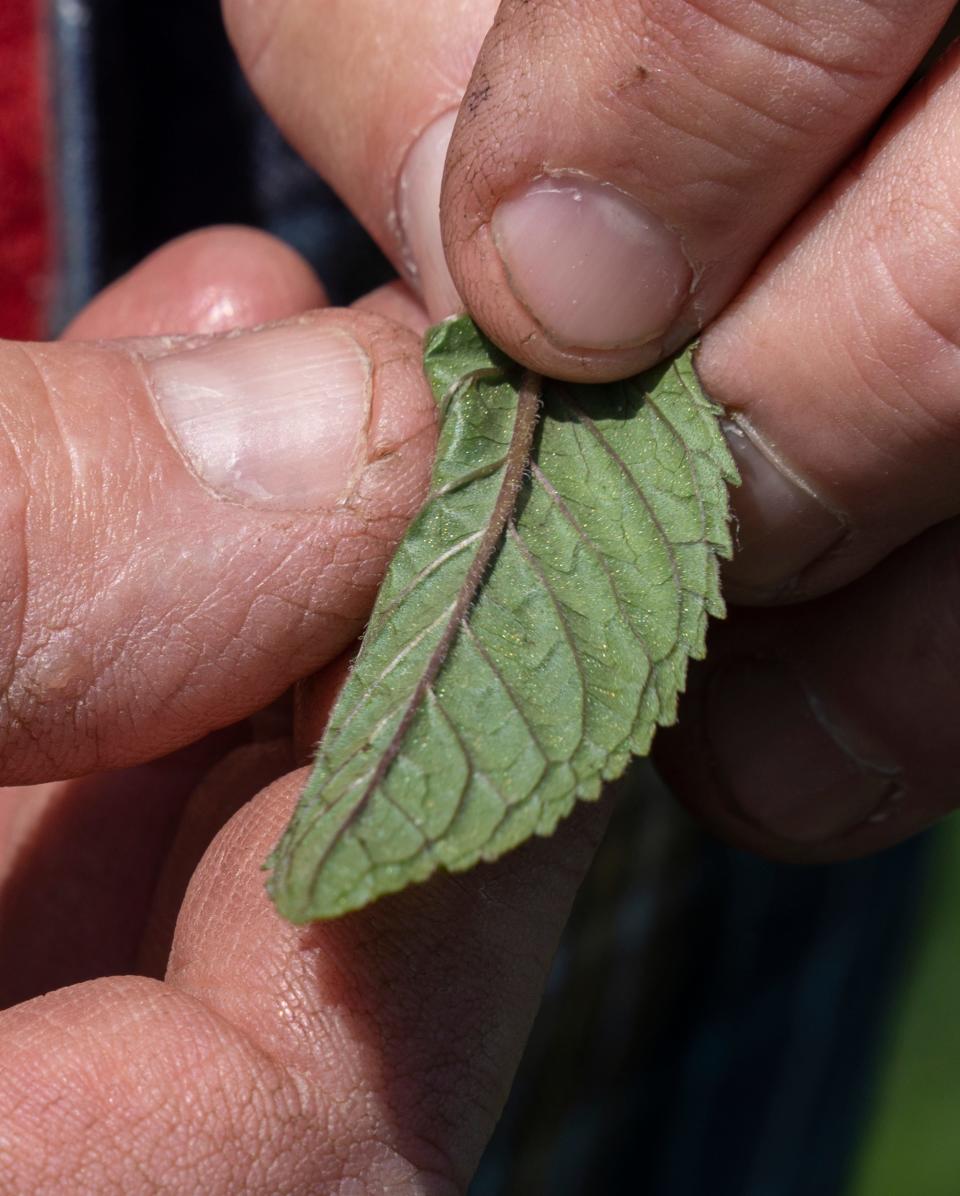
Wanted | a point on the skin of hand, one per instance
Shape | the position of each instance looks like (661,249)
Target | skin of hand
(195,1042)
(373,1054)
(613,177)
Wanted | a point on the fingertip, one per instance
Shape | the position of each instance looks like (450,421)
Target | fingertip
(799,741)
(617,170)
(567,273)
(401,436)
(208,281)
(395,301)
(328,410)
(499,306)
(234,503)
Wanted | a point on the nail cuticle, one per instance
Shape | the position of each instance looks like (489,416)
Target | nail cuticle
(785,764)
(887,806)
(580,354)
(395,226)
(785,528)
(893,792)
(739,424)
(851,744)
(273,419)
(414,222)
(589,265)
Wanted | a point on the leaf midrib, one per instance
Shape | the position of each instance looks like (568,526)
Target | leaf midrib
(517,459)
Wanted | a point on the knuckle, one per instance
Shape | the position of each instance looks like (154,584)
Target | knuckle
(726,46)
(841,41)
(741,75)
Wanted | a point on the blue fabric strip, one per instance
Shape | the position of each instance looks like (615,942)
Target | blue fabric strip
(158,134)
(77,240)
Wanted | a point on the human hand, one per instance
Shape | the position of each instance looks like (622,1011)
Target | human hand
(372,1054)
(616,173)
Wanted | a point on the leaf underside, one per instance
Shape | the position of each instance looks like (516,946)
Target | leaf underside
(533,629)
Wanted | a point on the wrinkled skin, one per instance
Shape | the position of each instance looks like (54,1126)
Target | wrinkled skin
(199,1043)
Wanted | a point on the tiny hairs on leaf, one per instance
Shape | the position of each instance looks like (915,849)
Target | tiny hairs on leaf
(533,628)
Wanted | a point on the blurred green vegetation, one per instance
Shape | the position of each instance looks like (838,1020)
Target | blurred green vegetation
(912,1147)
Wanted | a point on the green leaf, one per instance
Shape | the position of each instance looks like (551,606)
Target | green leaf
(532,630)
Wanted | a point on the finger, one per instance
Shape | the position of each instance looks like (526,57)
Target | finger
(368,93)
(206,281)
(229,784)
(373,1052)
(828,730)
(841,364)
(191,526)
(618,168)
(81,865)
(396,301)
(314,700)
(658,158)
(80,859)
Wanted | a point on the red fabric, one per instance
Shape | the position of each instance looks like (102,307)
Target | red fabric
(24,227)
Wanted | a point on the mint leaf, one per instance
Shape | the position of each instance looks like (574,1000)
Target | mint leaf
(532,630)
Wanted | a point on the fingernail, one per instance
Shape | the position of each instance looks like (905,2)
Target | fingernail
(593,268)
(782,527)
(275,418)
(784,763)
(418,210)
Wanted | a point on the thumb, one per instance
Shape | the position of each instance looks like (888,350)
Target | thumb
(189,525)
(370,1054)
(617,169)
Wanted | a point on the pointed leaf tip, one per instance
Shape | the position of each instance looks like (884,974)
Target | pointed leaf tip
(533,628)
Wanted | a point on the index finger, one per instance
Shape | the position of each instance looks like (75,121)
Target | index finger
(368,91)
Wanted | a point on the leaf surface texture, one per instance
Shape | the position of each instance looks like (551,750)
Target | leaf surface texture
(533,629)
